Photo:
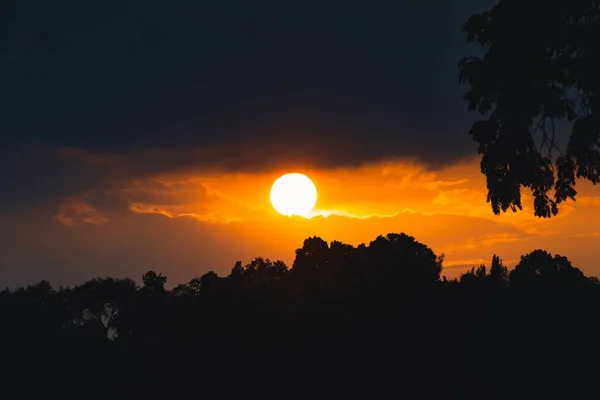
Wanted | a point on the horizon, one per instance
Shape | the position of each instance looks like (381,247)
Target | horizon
(481,233)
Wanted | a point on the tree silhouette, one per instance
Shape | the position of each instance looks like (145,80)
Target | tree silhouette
(540,66)
(312,256)
(264,271)
(237,271)
(98,304)
(310,262)
(497,278)
(475,277)
(340,307)
(192,288)
(401,261)
(498,273)
(209,282)
(154,282)
(345,268)
(540,269)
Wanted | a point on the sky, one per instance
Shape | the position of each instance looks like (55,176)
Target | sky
(145,135)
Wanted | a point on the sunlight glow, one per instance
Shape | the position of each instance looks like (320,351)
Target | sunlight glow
(294,194)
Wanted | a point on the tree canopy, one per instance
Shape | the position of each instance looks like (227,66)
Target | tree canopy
(340,310)
(540,66)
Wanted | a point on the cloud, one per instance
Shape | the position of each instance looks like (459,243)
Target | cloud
(228,215)
(195,197)
(378,190)
(276,98)
(354,205)
(180,212)
(589,200)
(76,211)
(271,78)
(383,189)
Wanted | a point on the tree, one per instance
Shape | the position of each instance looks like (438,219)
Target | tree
(36,310)
(237,271)
(341,255)
(192,288)
(345,267)
(264,271)
(312,256)
(539,268)
(498,276)
(98,304)
(154,282)
(474,277)
(398,260)
(210,282)
(311,260)
(540,66)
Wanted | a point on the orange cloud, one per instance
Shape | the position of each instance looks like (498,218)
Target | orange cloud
(589,200)
(445,209)
(76,211)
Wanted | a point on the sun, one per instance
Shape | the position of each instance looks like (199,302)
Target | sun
(293,194)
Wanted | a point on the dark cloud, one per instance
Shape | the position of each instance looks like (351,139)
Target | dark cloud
(33,175)
(237,85)
(130,76)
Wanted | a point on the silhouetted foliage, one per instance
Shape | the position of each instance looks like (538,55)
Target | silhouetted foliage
(98,304)
(540,66)
(406,262)
(496,278)
(154,282)
(338,310)
(498,273)
(540,269)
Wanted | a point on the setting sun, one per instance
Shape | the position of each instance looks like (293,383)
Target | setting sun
(293,194)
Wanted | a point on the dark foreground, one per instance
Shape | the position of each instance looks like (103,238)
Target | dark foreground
(460,345)
(373,321)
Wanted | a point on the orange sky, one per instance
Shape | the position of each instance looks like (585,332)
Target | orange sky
(219,218)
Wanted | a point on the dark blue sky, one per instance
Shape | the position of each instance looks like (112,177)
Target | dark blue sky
(335,83)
